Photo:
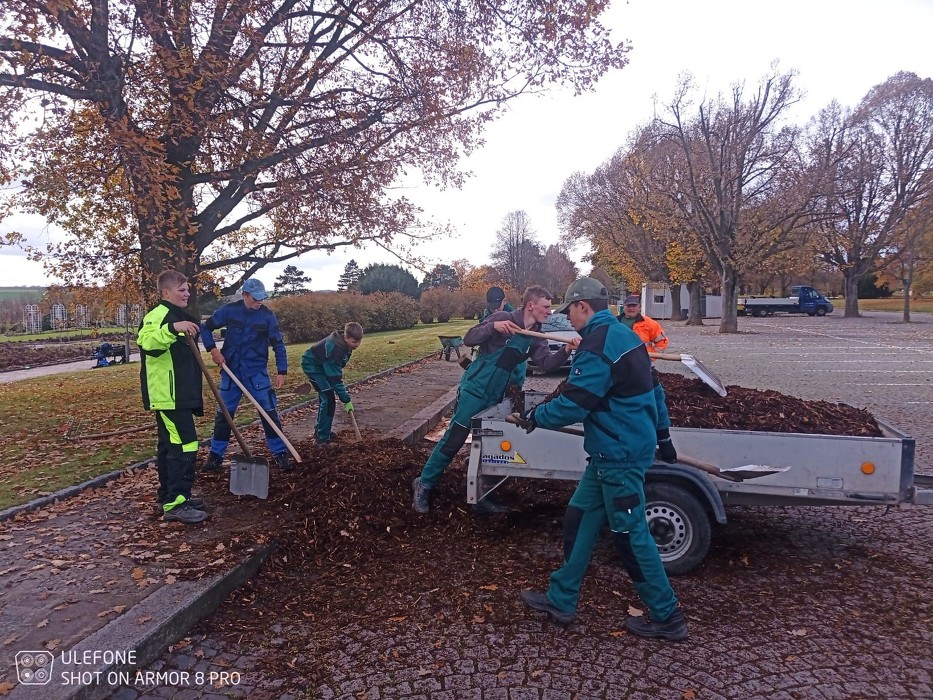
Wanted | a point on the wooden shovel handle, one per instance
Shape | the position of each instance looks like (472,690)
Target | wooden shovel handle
(545,336)
(558,339)
(262,411)
(356,428)
(220,402)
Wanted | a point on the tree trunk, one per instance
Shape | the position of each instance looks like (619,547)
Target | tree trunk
(850,283)
(676,291)
(906,317)
(730,319)
(695,317)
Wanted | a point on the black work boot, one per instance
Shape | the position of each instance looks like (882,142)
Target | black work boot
(490,506)
(214,463)
(421,496)
(283,461)
(674,628)
(185,514)
(539,601)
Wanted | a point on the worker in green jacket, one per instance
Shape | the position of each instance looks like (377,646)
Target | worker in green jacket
(171,387)
(323,365)
(483,384)
(610,389)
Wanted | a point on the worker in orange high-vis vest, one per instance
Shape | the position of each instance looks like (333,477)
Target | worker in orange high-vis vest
(652,335)
(645,327)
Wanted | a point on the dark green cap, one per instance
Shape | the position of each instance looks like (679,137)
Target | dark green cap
(584,289)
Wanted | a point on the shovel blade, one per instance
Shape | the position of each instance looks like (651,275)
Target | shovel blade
(704,373)
(752,471)
(249,476)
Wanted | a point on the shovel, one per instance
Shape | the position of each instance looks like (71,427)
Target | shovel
(356,428)
(695,366)
(249,476)
(690,362)
(262,411)
(746,471)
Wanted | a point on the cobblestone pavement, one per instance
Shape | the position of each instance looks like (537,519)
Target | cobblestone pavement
(791,602)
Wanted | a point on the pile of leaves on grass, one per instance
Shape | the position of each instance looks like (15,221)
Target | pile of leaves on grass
(693,404)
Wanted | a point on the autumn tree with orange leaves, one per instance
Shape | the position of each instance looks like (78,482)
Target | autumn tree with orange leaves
(205,135)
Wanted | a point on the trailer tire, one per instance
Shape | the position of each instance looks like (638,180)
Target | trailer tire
(759,311)
(679,524)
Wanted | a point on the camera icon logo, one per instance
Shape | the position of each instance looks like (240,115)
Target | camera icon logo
(34,667)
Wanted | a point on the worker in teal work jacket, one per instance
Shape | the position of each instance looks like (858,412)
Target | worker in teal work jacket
(610,389)
(501,350)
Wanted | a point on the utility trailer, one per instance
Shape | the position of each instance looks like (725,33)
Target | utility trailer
(682,501)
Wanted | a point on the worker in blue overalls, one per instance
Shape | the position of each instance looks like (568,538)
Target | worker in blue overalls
(251,329)
(501,350)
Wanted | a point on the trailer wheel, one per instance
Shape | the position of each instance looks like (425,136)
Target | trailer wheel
(821,311)
(759,311)
(679,525)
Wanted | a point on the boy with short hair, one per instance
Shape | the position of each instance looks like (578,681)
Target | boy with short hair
(170,379)
(323,364)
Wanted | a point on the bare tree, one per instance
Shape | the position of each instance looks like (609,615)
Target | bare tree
(517,255)
(742,190)
(881,157)
(558,271)
(913,243)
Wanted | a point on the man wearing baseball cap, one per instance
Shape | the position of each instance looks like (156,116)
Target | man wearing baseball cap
(652,335)
(610,389)
(251,328)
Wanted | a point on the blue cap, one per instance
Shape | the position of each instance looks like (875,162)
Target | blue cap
(254,288)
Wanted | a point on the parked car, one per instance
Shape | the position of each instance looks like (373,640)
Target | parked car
(559,325)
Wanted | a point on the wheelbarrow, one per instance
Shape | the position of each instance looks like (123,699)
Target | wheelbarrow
(448,343)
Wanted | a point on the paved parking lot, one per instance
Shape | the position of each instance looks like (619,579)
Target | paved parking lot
(791,602)
(874,362)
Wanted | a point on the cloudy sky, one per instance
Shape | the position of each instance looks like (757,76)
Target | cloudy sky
(841,48)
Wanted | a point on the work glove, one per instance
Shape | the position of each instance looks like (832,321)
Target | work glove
(348,406)
(666,447)
(528,420)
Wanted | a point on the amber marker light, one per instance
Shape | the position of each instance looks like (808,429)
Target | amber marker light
(505,446)
(868,467)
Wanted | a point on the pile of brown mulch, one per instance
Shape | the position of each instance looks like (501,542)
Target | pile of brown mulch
(350,548)
(692,404)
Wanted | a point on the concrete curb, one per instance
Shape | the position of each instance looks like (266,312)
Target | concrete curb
(419,425)
(176,608)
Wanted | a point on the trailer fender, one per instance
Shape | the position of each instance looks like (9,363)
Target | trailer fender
(695,481)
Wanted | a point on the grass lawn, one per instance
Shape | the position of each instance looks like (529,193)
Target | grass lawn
(41,417)
(892,304)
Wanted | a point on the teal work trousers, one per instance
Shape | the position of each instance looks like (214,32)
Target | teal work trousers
(613,493)
(468,405)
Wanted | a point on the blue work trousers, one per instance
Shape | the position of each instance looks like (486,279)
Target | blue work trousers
(260,387)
